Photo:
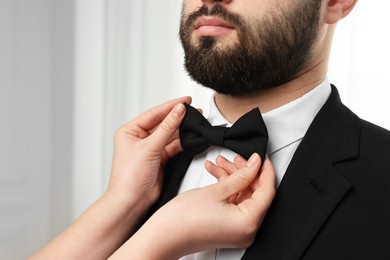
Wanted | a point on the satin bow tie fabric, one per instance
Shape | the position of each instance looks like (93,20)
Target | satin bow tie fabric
(247,136)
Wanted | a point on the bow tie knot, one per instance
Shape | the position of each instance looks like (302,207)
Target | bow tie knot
(214,135)
(246,136)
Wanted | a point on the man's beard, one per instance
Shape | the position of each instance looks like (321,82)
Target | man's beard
(269,51)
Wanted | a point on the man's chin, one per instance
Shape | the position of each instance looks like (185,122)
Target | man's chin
(225,42)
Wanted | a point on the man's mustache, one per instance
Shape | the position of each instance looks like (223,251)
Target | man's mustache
(216,10)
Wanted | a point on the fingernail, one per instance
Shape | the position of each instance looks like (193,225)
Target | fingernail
(253,160)
(178,110)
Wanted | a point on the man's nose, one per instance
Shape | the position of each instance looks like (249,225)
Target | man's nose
(211,2)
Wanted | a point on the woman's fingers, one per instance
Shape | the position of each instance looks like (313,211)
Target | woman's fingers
(216,171)
(241,178)
(168,127)
(150,119)
(265,189)
(225,164)
(267,179)
(239,161)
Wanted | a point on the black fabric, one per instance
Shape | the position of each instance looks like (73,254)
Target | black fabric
(334,199)
(247,136)
(173,175)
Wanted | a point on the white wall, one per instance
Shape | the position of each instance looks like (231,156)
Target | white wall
(359,61)
(90,103)
(36,93)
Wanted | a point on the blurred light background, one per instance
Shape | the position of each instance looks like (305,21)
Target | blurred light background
(73,71)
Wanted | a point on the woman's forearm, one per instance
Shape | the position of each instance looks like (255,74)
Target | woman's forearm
(97,233)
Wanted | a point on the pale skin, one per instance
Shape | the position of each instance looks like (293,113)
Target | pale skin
(216,218)
(311,75)
(142,148)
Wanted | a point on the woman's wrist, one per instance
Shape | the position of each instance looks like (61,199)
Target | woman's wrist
(168,240)
(128,207)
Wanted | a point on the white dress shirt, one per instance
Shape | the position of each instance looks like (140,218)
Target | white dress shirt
(286,126)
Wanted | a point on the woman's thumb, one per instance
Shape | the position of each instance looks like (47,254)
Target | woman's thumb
(240,179)
(168,126)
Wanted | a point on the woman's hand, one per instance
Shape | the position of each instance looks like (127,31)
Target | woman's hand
(208,217)
(243,195)
(224,168)
(141,149)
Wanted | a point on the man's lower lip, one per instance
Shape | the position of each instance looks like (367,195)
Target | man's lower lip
(213,30)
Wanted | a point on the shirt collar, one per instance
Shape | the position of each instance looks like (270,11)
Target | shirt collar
(288,123)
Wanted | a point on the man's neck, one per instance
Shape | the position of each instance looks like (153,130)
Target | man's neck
(233,107)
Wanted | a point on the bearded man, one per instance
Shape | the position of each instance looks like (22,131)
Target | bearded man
(333,174)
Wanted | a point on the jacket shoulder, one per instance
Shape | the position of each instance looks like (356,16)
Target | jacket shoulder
(374,137)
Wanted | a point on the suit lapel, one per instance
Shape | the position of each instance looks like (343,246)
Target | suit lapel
(173,176)
(311,188)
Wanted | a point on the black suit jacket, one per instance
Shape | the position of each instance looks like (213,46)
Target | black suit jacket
(334,200)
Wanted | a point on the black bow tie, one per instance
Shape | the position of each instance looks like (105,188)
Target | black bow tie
(246,136)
